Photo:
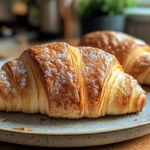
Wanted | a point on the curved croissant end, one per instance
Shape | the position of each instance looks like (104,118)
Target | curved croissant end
(68,82)
(132,53)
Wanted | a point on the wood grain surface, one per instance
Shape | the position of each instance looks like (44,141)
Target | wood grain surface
(142,143)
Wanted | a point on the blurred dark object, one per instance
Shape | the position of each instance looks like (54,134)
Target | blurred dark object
(6,19)
(116,22)
(103,14)
(20,12)
(34,13)
(27,13)
(6,30)
(50,24)
(138,23)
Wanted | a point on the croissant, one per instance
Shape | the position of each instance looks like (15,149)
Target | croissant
(62,81)
(132,53)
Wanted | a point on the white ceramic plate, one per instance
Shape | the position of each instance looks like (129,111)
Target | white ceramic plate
(39,130)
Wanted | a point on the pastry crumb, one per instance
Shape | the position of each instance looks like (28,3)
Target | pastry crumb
(22,129)
(5,119)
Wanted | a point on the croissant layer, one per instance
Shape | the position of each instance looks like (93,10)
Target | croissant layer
(132,53)
(68,82)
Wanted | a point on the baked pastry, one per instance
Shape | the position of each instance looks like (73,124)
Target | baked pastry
(68,82)
(132,53)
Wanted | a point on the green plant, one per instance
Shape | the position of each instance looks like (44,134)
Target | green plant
(93,8)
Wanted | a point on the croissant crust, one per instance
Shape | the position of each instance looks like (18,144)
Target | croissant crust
(68,82)
(132,53)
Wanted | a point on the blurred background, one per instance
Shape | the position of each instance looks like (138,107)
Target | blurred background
(24,23)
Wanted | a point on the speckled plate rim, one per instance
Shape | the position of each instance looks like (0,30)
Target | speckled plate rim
(73,133)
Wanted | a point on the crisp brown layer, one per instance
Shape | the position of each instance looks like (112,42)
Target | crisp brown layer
(68,82)
(132,53)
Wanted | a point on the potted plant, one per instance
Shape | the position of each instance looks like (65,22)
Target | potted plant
(103,14)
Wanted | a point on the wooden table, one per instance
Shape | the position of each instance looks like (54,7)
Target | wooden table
(142,143)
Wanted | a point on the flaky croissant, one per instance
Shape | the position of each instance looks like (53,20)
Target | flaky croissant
(132,53)
(68,82)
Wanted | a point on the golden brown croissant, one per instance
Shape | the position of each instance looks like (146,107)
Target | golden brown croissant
(132,53)
(68,82)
